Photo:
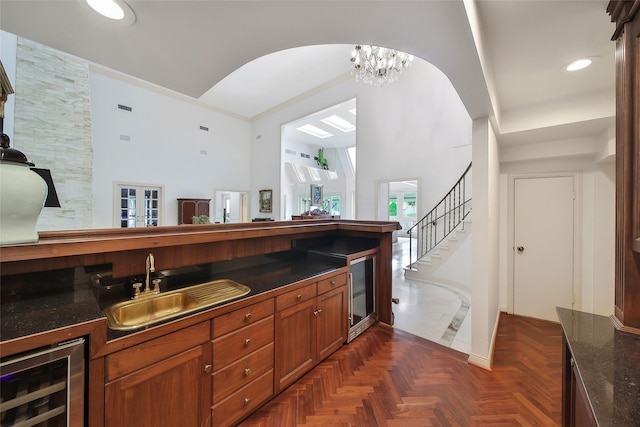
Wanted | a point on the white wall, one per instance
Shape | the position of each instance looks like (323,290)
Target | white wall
(416,127)
(485,248)
(166,146)
(596,250)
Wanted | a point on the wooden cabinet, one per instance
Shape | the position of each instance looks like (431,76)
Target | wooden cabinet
(576,409)
(188,208)
(311,323)
(333,325)
(162,382)
(243,355)
(626,15)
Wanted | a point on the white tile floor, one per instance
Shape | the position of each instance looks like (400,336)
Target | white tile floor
(435,312)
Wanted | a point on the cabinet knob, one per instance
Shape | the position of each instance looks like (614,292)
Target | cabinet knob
(247,316)
(207,369)
(299,296)
(317,312)
(572,363)
(247,341)
(246,401)
(333,283)
(247,371)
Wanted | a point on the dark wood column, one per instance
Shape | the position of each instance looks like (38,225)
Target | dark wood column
(626,15)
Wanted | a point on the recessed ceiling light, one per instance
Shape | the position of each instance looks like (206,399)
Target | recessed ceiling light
(117,10)
(339,123)
(315,131)
(579,64)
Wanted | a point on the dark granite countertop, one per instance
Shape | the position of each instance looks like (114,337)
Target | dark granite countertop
(39,302)
(341,247)
(45,312)
(608,362)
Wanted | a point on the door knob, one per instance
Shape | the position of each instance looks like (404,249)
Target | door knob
(395,300)
(520,248)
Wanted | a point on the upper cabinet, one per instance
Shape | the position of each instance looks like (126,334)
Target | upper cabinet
(626,15)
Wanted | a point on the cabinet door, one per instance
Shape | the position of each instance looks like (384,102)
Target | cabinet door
(581,413)
(167,394)
(295,343)
(331,316)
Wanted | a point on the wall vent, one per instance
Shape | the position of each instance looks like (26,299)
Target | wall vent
(204,128)
(124,107)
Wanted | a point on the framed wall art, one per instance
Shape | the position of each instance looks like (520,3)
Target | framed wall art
(316,195)
(265,201)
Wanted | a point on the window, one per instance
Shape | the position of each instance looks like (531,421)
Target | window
(332,205)
(393,205)
(138,206)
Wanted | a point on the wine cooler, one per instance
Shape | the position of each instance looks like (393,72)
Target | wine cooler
(44,387)
(361,295)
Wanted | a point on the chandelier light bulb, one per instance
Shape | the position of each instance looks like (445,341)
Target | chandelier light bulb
(378,66)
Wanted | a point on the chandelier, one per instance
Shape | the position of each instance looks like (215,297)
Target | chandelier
(378,66)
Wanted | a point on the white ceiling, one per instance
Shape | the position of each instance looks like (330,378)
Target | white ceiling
(282,49)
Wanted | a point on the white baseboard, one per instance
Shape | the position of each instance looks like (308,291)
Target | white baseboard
(486,362)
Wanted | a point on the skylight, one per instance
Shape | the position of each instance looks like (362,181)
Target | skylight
(299,170)
(314,131)
(315,175)
(339,123)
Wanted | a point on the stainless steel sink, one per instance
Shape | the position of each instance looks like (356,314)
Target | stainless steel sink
(137,313)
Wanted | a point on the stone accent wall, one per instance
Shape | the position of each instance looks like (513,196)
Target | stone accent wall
(53,129)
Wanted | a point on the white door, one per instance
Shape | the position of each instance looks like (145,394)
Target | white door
(543,246)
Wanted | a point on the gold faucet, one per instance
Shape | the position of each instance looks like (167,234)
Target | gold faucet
(150,267)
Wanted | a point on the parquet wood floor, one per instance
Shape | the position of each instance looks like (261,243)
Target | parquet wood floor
(387,377)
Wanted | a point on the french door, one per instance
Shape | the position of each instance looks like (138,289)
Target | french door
(137,205)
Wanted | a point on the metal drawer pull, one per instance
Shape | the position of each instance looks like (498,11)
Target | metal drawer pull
(247,341)
(247,316)
(247,401)
(317,312)
(247,371)
(207,368)
(333,282)
(299,296)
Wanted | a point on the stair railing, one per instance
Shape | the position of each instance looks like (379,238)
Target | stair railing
(445,217)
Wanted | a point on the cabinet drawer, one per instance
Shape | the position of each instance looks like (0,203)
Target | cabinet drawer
(332,283)
(242,372)
(294,297)
(245,400)
(236,345)
(156,350)
(242,317)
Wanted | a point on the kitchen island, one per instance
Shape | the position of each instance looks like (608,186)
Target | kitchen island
(56,285)
(600,371)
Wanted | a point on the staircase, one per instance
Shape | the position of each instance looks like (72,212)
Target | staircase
(435,267)
(441,231)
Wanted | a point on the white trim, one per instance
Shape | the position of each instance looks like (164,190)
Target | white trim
(486,362)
